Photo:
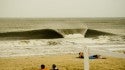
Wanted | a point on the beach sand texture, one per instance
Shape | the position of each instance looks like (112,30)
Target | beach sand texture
(63,62)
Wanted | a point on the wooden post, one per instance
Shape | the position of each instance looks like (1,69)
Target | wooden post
(86,58)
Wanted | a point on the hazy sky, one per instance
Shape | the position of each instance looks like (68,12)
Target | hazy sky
(62,8)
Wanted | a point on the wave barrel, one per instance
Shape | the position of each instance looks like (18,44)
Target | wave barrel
(42,29)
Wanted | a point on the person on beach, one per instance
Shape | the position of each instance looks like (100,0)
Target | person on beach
(94,56)
(81,55)
(43,67)
(54,67)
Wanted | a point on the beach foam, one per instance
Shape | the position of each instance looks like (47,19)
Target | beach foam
(30,47)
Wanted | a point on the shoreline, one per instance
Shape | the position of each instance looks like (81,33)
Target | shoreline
(63,62)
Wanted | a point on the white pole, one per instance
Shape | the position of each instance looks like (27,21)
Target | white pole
(86,58)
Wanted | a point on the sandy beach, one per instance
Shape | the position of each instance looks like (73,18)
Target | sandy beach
(63,62)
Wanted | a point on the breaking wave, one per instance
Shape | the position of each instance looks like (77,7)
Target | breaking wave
(41,34)
(52,34)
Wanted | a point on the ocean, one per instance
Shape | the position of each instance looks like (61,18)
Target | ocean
(36,36)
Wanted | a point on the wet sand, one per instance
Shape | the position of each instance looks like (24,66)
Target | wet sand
(63,62)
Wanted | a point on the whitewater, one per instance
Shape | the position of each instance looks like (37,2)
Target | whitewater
(9,48)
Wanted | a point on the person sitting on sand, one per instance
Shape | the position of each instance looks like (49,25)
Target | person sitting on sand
(81,55)
(43,67)
(54,67)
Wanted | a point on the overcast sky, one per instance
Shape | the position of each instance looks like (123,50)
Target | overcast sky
(62,8)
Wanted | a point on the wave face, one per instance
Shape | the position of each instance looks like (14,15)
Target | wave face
(96,33)
(34,34)
(42,34)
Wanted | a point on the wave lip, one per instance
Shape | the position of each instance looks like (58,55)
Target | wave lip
(71,33)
